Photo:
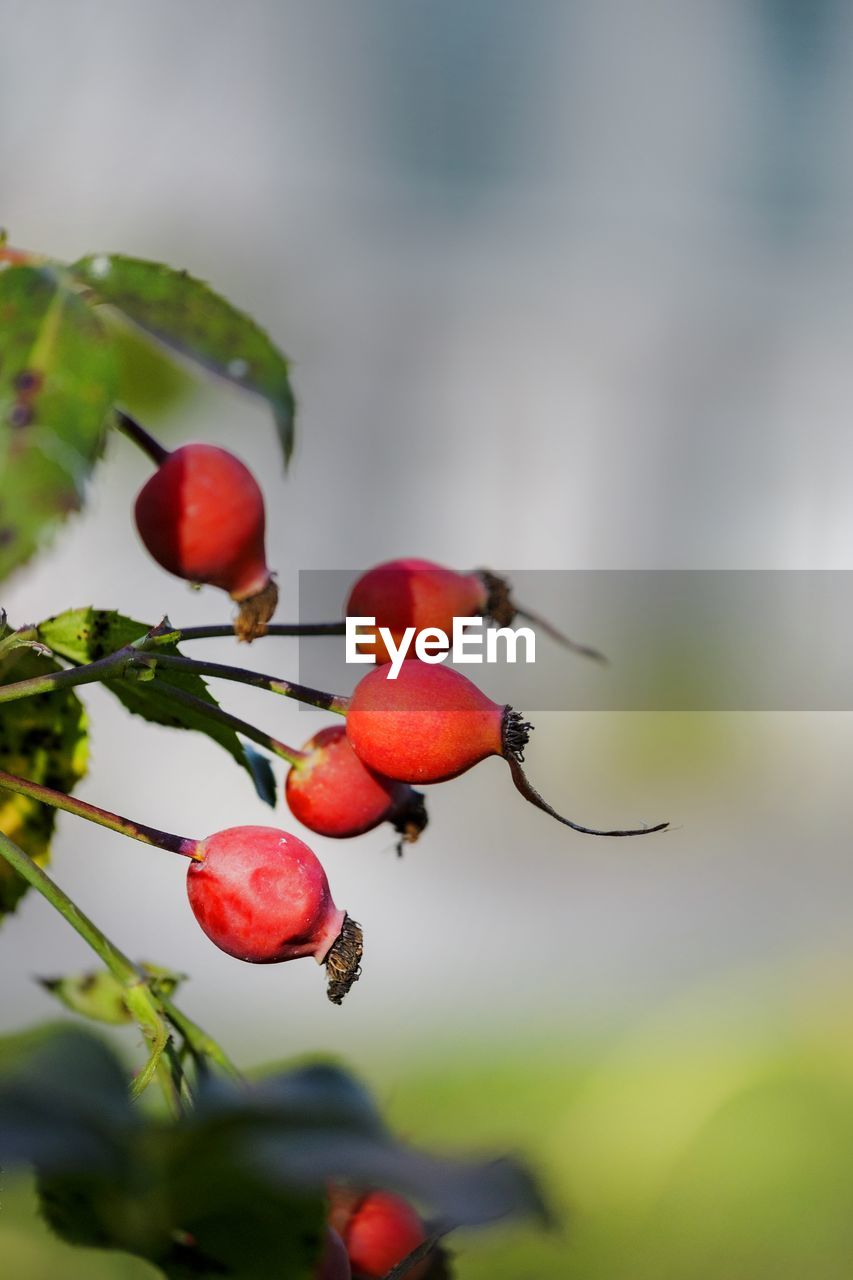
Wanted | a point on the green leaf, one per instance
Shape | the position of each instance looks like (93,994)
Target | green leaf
(57,384)
(237,1187)
(84,635)
(65,1108)
(193,1214)
(109,1176)
(64,1101)
(262,774)
(96,995)
(78,1207)
(150,381)
(100,996)
(237,1222)
(23,638)
(188,316)
(44,739)
(309,1126)
(163,982)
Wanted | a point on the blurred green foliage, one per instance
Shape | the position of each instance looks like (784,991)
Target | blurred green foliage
(713,1141)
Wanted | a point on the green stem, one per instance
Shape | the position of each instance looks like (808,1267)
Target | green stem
(138,997)
(70,804)
(118,964)
(92,672)
(114,664)
(287,689)
(210,711)
(200,1043)
(148,1009)
(162,1059)
(146,442)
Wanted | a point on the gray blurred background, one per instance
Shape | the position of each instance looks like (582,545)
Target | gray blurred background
(566,285)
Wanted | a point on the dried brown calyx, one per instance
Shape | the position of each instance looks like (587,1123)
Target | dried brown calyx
(343,961)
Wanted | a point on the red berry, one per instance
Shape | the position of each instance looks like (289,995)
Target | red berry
(431,723)
(333,793)
(261,895)
(382,1230)
(420,594)
(428,725)
(334,1264)
(201,516)
(414,593)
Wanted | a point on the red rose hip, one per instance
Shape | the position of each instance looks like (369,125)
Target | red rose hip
(261,895)
(380,1232)
(331,792)
(418,593)
(432,723)
(428,725)
(201,516)
(413,593)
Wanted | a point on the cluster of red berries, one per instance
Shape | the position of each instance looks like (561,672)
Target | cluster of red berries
(261,894)
(258,893)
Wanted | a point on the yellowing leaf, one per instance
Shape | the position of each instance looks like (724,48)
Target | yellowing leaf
(45,739)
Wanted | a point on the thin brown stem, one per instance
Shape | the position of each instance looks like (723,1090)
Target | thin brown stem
(146,442)
(210,711)
(285,629)
(274,684)
(583,650)
(418,1254)
(527,789)
(70,804)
